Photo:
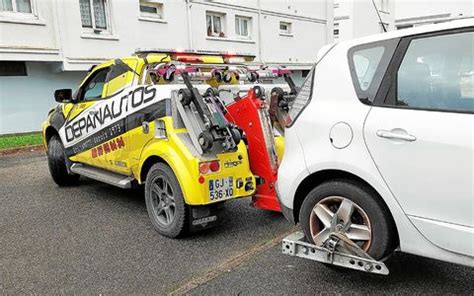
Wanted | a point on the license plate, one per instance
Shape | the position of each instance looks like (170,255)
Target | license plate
(221,188)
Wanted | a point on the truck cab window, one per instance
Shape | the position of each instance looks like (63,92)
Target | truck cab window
(92,90)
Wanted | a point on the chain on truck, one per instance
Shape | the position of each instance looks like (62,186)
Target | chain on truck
(196,129)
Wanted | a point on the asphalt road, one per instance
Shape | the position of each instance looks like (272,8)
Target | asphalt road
(96,239)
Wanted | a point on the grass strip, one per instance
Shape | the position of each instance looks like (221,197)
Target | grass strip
(20,140)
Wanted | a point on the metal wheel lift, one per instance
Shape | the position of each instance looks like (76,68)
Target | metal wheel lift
(338,250)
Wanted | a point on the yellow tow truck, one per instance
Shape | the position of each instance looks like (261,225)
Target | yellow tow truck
(156,119)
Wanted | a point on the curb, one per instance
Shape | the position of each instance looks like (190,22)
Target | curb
(21,149)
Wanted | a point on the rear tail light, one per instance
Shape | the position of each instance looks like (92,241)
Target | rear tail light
(214,166)
(209,167)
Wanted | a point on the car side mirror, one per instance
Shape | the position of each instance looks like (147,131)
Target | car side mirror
(63,95)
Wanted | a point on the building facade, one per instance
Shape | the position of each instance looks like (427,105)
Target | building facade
(358,18)
(410,14)
(50,44)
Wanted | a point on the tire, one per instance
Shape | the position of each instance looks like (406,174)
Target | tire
(165,202)
(57,164)
(370,224)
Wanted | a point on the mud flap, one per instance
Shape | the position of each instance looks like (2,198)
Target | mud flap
(204,217)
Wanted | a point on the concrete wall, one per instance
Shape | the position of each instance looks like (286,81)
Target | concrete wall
(358,18)
(25,101)
(55,32)
(200,39)
(422,8)
(366,21)
(130,32)
(30,37)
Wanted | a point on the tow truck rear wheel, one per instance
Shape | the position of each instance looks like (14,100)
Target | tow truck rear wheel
(354,210)
(165,202)
(57,163)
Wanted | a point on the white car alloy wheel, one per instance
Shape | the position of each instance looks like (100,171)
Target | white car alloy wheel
(336,213)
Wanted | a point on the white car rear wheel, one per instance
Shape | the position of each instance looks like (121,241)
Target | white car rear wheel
(351,209)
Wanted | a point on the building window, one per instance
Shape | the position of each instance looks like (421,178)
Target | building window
(243,26)
(285,28)
(151,9)
(13,69)
(336,32)
(215,24)
(94,15)
(23,6)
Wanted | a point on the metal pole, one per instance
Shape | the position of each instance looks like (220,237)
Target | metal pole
(259,31)
(190,32)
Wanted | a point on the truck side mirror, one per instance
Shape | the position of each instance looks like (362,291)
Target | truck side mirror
(63,95)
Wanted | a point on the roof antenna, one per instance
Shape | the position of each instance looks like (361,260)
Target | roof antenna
(380,19)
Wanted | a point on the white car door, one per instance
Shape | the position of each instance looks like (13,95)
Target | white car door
(420,135)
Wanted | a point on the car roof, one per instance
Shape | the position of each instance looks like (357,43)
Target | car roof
(456,24)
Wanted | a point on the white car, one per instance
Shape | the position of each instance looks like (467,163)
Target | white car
(380,144)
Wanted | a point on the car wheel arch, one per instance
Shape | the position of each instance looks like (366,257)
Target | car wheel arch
(148,163)
(49,133)
(319,177)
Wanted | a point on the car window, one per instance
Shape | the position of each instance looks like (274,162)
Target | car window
(366,62)
(438,73)
(92,90)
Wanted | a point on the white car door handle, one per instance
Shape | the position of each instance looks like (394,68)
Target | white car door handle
(93,112)
(396,135)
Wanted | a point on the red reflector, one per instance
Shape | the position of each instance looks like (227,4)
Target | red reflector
(201,179)
(214,166)
(204,167)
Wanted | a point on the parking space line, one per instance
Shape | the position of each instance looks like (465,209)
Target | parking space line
(230,264)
